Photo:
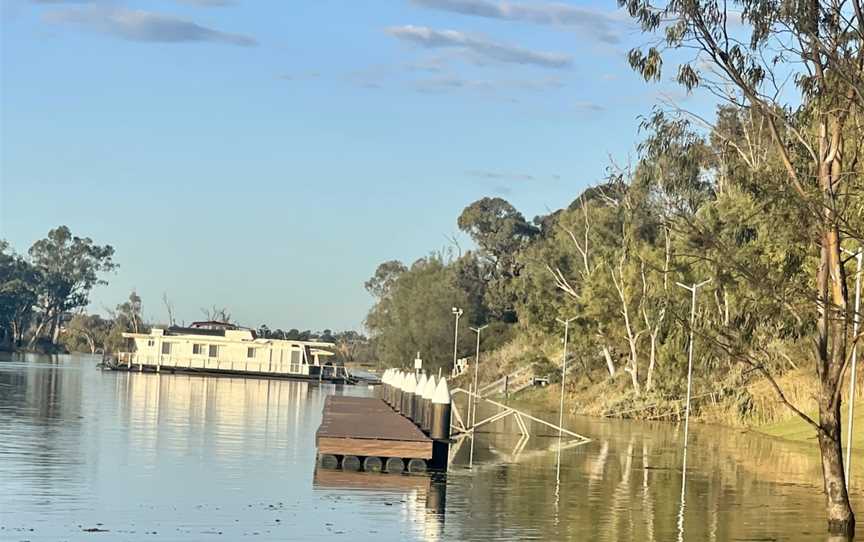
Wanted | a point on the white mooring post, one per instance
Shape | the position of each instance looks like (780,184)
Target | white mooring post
(410,385)
(440,425)
(385,386)
(693,289)
(397,391)
(419,403)
(428,393)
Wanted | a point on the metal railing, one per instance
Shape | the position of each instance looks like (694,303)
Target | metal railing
(504,411)
(130,359)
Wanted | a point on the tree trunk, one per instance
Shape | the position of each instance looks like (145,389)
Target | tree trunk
(832,328)
(632,338)
(55,327)
(841,520)
(609,364)
(633,369)
(652,357)
(37,333)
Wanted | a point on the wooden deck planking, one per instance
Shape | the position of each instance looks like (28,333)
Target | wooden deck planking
(366,426)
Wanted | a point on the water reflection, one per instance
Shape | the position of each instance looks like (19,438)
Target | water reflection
(424,496)
(189,457)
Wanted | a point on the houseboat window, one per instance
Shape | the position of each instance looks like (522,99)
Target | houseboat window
(250,352)
(198,349)
(295,361)
(214,351)
(166,348)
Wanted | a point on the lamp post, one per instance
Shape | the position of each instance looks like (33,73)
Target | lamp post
(693,288)
(457,312)
(563,374)
(856,322)
(472,402)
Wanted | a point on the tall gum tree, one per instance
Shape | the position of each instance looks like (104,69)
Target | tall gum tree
(743,52)
(69,268)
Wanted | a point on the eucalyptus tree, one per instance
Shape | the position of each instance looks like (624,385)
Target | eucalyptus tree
(415,316)
(69,267)
(743,52)
(87,333)
(501,233)
(19,282)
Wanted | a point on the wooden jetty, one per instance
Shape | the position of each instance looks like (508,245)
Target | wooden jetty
(367,431)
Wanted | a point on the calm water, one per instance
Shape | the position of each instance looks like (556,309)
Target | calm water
(148,457)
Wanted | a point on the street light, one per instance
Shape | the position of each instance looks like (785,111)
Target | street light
(457,312)
(563,373)
(856,321)
(472,401)
(473,413)
(693,289)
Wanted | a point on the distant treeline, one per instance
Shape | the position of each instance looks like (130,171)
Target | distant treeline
(53,281)
(44,294)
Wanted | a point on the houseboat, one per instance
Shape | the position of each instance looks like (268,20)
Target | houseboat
(220,348)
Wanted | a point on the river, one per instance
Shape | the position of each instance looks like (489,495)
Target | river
(92,455)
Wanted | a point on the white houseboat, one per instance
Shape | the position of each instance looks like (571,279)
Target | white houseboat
(215,347)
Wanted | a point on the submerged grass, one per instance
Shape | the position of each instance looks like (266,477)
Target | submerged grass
(794,428)
(739,400)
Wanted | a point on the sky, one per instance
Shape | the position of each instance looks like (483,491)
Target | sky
(267,156)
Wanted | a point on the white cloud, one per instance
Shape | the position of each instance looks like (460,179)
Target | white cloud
(589,107)
(600,25)
(486,174)
(144,26)
(448,83)
(429,38)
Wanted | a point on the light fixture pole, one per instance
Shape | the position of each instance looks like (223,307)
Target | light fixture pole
(856,322)
(693,289)
(563,374)
(457,312)
(472,402)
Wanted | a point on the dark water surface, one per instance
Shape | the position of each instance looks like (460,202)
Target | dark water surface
(171,457)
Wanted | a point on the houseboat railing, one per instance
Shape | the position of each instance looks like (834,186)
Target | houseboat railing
(130,359)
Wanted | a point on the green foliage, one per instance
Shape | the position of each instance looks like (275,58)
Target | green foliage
(86,333)
(69,268)
(500,232)
(19,283)
(415,315)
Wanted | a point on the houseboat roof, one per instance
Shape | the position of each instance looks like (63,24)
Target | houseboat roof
(213,324)
(193,330)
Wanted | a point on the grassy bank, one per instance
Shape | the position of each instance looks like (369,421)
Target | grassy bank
(795,428)
(736,399)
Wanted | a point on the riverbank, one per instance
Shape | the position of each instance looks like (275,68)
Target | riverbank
(736,399)
(790,427)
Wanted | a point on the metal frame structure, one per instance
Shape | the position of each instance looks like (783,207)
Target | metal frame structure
(505,411)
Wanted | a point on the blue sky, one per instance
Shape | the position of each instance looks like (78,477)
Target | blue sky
(266,156)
